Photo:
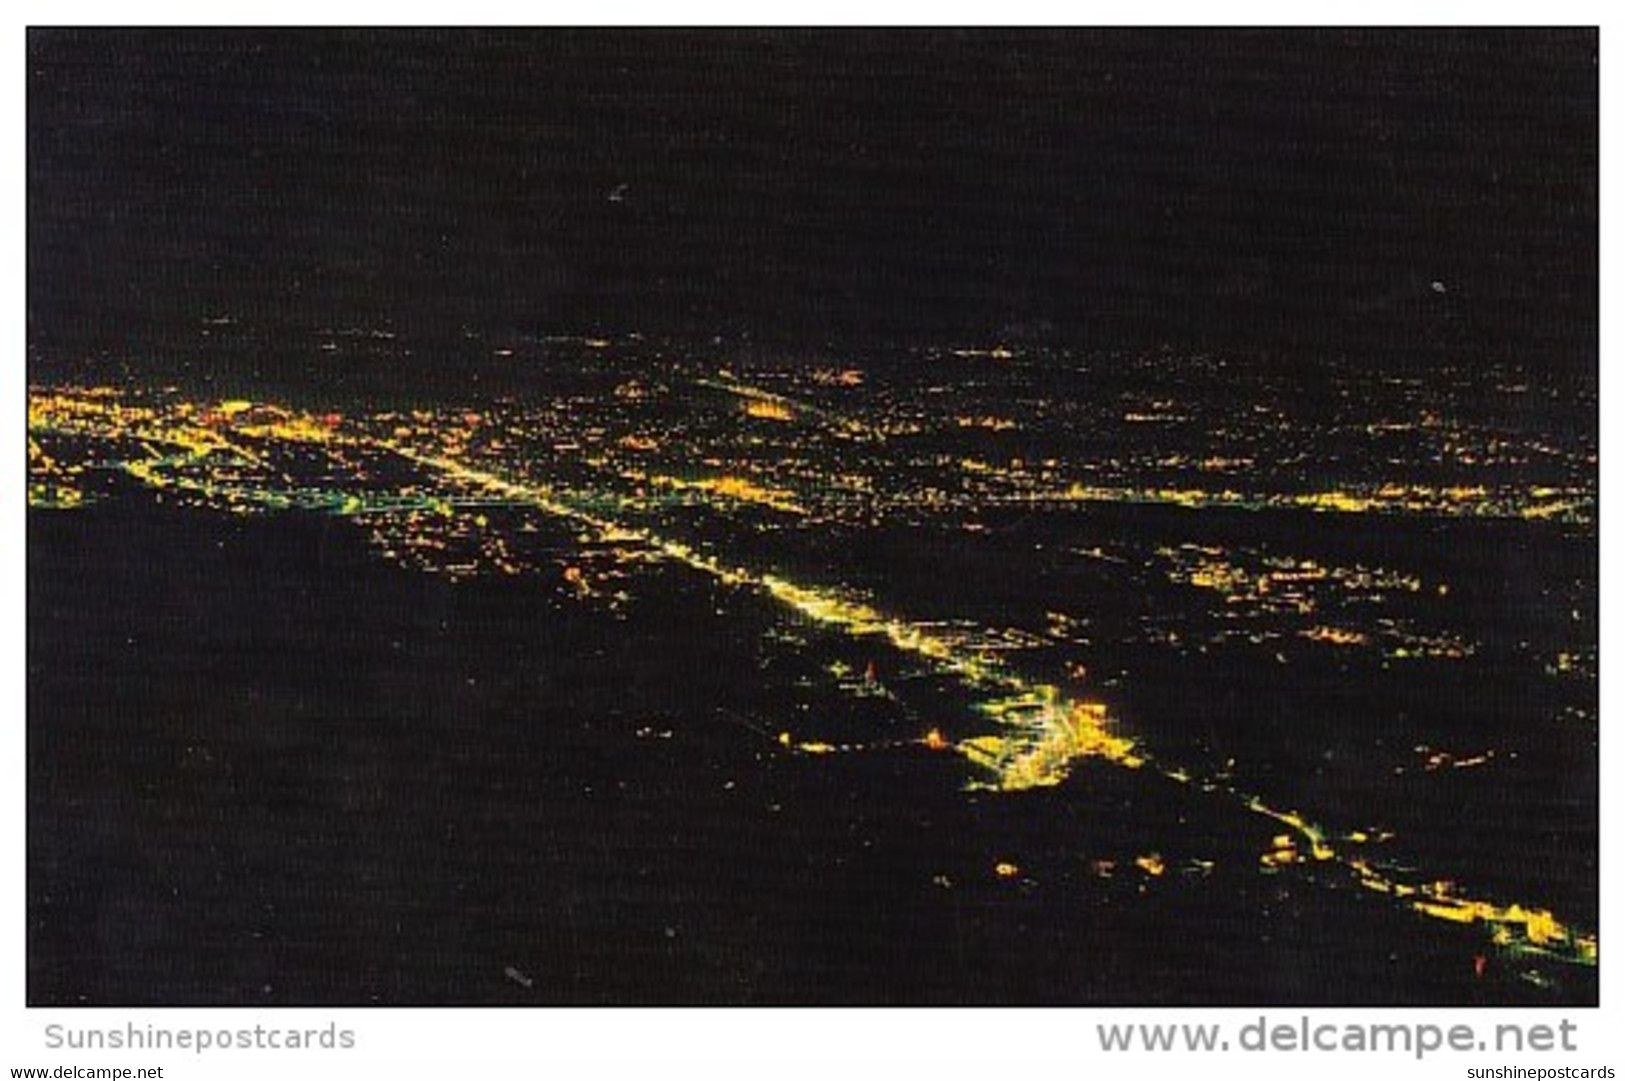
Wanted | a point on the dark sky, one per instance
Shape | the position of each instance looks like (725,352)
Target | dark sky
(1410,189)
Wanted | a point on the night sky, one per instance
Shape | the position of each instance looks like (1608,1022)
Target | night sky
(1412,192)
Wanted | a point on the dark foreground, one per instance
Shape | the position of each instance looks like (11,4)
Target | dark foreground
(265,767)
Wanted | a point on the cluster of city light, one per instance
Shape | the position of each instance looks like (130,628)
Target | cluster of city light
(1279,590)
(1038,733)
(1533,503)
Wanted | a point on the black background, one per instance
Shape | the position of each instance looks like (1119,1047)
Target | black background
(1402,192)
